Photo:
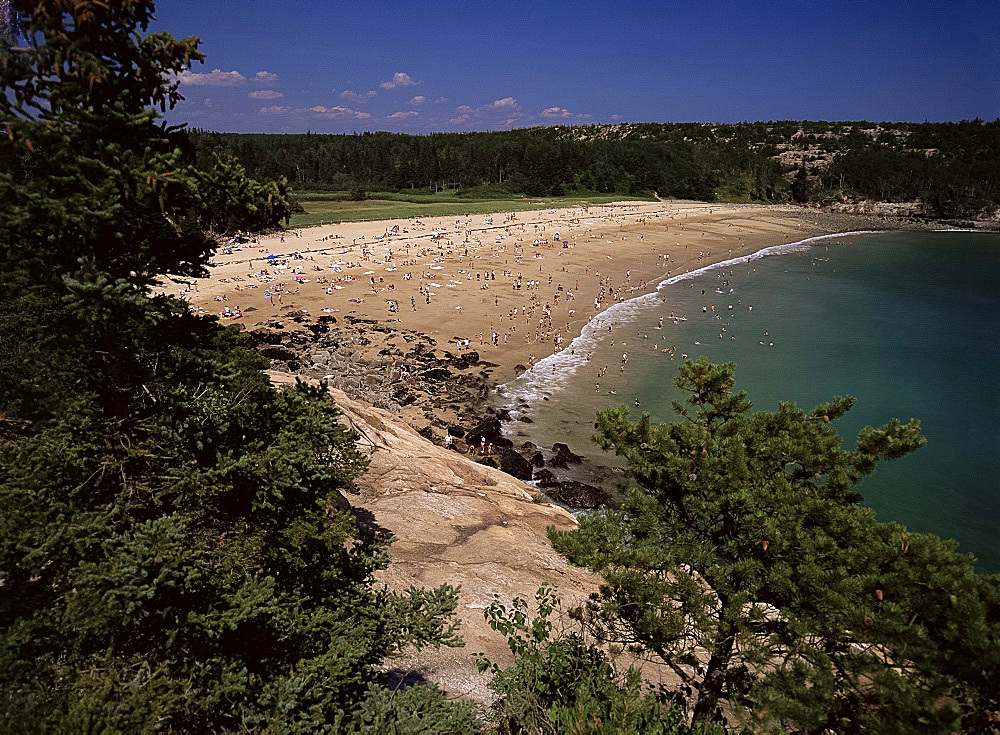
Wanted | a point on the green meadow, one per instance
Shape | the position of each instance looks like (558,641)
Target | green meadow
(322,208)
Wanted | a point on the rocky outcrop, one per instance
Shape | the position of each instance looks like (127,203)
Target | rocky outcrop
(460,523)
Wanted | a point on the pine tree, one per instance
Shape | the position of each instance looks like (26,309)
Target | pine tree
(744,563)
(175,550)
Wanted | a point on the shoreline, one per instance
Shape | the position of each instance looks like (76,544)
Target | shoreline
(564,362)
(331,322)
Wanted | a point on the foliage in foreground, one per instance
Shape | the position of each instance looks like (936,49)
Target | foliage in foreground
(560,683)
(744,562)
(174,550)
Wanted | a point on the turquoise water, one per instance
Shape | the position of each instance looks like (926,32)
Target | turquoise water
(905,322)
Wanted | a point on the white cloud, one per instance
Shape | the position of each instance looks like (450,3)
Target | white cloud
(399,79)
(418,100)
(265,94)
(616,116)
(463,109)
(265,77)
(208,102)
(339,112)
(506,102)
(402,114)
(275,110)
(439,100)
(459,119)
(551,112)
(214,78)
(355,97)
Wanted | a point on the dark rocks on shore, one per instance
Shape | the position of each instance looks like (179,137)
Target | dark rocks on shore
(492,431)
(526,420)
(546,478)
(465,359)
(331,353)
(514,464)
(437,373)
(575,494)
(276,352)
(563,457)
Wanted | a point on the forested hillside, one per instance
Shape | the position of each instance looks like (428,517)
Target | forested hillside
(951,169)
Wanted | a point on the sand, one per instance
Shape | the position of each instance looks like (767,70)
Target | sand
(461,272)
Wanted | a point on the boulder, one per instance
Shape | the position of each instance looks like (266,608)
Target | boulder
(514,464)
(537,460)
(489,428)
(436,374)
(575,494)
(456,431)
(545,478)
(564,456)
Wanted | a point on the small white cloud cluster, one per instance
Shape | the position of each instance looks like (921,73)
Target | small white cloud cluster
(265,94)
(552,112)
(347,94)
(214,78)
(399,79)
(339,112)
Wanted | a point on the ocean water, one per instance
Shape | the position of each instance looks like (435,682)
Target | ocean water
(906,322)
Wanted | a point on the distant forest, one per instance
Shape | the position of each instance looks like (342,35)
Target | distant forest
(952,169)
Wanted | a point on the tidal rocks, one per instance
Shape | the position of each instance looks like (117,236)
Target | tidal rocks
(436,373)
(514,464)
(563,457)
(546,478)
(575,494)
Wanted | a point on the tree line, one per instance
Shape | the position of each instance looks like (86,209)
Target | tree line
(177,553)
(952,168)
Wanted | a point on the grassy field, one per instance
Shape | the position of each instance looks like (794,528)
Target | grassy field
(333,207)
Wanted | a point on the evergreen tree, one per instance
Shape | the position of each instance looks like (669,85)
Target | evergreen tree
(561,683)
(800,185)
(745,564)
(175,551)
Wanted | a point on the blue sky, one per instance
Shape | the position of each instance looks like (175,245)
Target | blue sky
(419,67)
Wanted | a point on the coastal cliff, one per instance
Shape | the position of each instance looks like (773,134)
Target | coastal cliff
(455,522)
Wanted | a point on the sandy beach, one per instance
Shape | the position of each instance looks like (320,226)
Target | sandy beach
(513,286)
(396,299)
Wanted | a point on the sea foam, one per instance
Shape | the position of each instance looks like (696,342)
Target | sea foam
(553,372)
